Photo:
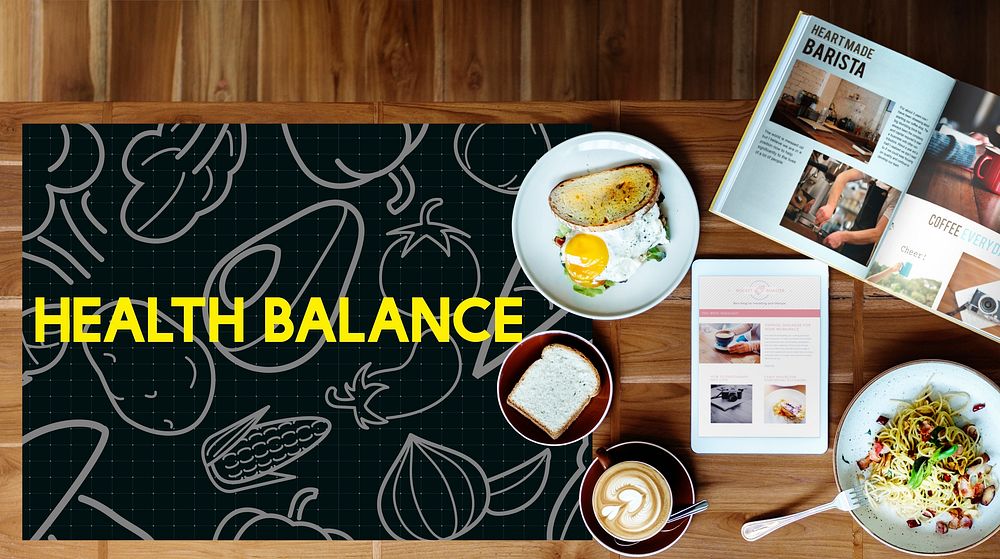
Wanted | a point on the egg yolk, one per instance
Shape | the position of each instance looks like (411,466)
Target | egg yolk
(586,257)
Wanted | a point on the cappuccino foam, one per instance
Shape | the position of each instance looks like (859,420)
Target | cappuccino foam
(632,501)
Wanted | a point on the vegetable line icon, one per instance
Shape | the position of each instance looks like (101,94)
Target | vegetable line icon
(276,262)
(202,163)
(163,388)
(249,454)
(432,492)
(66,250)
(465,137)
(250,523)
(355,178)
(424,248)
(55,437)
(374,396)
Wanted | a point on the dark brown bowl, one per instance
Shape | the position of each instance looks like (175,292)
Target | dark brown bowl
(527,352)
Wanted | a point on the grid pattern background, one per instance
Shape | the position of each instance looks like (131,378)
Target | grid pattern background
(150,472)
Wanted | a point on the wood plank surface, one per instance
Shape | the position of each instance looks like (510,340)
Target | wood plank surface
(67,43)
(219,51)
(482,51)
(144,50)
(15,51)
(455,50)
(559,54)
(400,51)
(650,353)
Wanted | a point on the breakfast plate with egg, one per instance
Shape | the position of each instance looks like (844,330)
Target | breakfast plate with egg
(605,225)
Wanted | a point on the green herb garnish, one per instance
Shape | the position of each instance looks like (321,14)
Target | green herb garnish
(562,231)
(922,466)
(656,253)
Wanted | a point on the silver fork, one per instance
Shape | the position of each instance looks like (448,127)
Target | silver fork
(849,499)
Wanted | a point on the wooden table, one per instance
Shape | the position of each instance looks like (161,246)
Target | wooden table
(950,186)
(650,353)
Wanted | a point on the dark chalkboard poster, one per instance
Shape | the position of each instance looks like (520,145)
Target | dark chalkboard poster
(297,440)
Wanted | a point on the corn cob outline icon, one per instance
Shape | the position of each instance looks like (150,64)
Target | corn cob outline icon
(249,454)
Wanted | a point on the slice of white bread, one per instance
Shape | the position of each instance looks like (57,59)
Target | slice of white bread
(605,200)
(554,390)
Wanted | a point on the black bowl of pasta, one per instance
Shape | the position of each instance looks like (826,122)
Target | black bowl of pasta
(922,440)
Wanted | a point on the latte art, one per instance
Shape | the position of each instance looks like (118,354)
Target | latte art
(632,501)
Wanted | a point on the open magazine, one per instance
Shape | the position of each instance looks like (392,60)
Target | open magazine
(879,166)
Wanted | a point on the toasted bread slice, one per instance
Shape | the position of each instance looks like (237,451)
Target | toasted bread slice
(605,200)
(554,390)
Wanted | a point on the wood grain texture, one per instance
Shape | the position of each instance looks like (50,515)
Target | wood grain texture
(709,31)
(15,51)
(482,50)
(559,58)
(312,51)
(630,52)
(66,40)
(219,50)
(399,51)
(456,50)
(774,21)
(10,198)
(885,22)
(941,34)
(242,112)
(144,47)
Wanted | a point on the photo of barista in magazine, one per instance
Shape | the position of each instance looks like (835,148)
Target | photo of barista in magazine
(840,207)
(846,162)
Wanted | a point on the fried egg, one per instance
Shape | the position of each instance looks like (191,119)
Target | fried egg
(593,258)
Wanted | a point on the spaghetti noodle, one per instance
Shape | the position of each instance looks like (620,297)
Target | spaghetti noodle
(922,463)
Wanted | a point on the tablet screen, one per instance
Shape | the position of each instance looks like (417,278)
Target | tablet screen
(759,356)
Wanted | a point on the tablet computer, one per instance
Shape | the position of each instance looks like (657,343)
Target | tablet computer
(759,356)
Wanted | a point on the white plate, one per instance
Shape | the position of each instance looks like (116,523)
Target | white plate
(788,394)
(534,226)
(856,433)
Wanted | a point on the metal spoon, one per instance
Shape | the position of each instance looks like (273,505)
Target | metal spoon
(681,514)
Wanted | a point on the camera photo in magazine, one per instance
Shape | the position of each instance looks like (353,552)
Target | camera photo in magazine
(840,207)
(833,111)
(960,170)
(973,295)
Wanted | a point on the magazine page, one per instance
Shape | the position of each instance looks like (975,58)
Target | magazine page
(833,144)
(943,247)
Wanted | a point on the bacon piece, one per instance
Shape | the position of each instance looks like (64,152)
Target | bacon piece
(864,463)
(941,527)
(978,407)
(965,522)
(988,495)
(882,420)
(965,488)
(911,523)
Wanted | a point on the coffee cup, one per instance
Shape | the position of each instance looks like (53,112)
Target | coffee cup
(631,499)
(986,171)
(723,338)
